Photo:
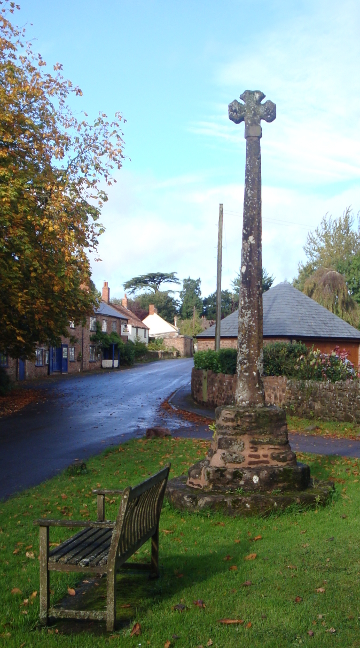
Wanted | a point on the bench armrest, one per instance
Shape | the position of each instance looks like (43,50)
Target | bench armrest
(107,491)
(44,522)
(100,494)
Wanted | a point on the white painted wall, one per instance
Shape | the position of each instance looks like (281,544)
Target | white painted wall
(142,334)
(158,326)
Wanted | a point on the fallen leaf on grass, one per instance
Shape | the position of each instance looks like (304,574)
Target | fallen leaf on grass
(54,544)
(233,568)
(251,556)
(167,644)
(210,642)
(303,531)
(248,625)
(258,537)
(331,630)
(230,621)
(237,541)
(228,557)
(298,599)
(310,633)
(30,554)
(179,575)
(219,523)
(320,590)
(291,567)
(16,590)
(126,605)
(136,630)
(179,607)
(306,545)
(33,595)
(71,591)
(16,551)
(63,496)
(166,531)
(200,603)
(247,584)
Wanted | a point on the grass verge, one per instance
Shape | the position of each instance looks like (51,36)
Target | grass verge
(330,429)
(291,579)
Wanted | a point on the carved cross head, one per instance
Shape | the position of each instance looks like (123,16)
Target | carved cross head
(252,111)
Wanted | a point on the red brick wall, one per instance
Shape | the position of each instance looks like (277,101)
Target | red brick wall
(203,344)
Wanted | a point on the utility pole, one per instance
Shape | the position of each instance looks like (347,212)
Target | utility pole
(194,317)
(218,287)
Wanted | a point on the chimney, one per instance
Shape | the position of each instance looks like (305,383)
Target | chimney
(105,296)
(175,321)
(152,309)
(124,301)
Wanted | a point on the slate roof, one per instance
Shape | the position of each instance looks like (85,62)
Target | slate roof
(290,313)
(106,309)
(130,316)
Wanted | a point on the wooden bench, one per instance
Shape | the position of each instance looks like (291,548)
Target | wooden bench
(103,547)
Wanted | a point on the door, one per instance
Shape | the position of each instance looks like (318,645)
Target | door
(55,359)
(64,358)
(21,369)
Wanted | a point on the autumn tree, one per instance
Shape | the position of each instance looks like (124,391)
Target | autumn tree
(151,281)
(53,167)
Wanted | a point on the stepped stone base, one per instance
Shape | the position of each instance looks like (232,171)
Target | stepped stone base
(249,469)
(186,498)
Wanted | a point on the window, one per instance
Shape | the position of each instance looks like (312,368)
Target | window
(39,358)
(72,354)
(104,326)
(92,353)
(92,323)
(3,360)
(113,326)
(144,333)
(47,356)
(137,331)
(72,324)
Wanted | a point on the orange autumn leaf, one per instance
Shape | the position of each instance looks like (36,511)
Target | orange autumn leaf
(16,590)
(136,630)
(71,591)
(231,621)
(233,568)
(251,556)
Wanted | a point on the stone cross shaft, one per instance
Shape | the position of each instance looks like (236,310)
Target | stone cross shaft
(249,388)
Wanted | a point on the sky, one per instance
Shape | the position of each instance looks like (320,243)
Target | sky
(171,68)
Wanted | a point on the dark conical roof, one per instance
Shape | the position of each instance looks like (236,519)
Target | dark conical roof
(290,313)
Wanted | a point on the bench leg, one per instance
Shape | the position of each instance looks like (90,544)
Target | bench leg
(111,600)
(154,573)
(44,574)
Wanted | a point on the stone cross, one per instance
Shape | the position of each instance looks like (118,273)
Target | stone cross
(249,387)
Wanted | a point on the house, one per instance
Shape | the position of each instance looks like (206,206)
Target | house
(76,353)
(160,328)
(289,315)
(134,329)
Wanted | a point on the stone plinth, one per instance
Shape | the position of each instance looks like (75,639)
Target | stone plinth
(249,469)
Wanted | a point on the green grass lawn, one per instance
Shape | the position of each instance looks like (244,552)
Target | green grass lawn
(331,429)
(303,575)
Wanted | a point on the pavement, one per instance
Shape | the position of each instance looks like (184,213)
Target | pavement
(181,400)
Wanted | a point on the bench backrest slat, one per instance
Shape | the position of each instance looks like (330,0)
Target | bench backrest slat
(138,516)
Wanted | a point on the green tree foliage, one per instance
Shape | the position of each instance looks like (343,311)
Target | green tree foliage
(267,282)
(190,297)
(151,281)
(335,245)
(165,304)
(190,327)
(228,305)
(328,288)
(53,167)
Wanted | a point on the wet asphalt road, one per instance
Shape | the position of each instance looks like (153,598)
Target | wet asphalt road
(82,416)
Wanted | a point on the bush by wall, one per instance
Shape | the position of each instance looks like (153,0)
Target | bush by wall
(293,360)
(5,384)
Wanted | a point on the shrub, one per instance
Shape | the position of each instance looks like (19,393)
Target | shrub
(156,344)
(140,349)
(127,353)
(5,384)
(280,358)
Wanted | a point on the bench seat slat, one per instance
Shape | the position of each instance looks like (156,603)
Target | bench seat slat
(71,546)
(87,548)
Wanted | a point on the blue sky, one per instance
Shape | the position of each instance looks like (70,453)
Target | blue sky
(171,68)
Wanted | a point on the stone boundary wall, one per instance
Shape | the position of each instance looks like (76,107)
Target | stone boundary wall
(183,344)
(328,401)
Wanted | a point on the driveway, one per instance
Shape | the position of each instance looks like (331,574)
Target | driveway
(82,416)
